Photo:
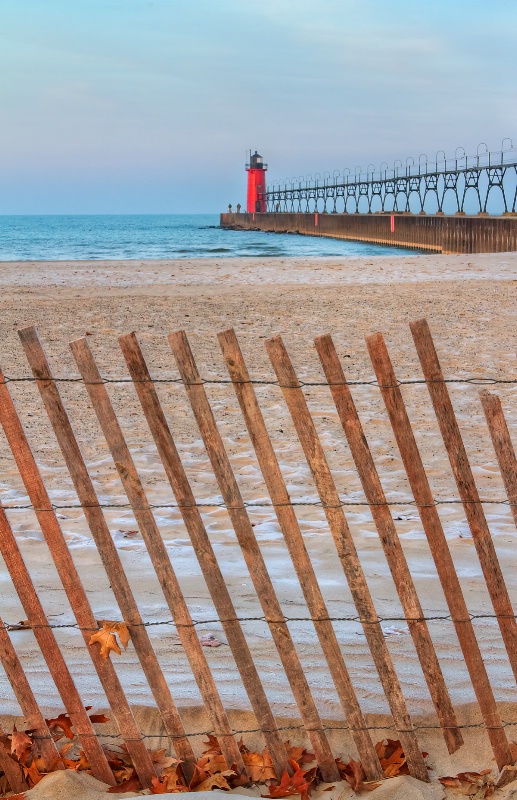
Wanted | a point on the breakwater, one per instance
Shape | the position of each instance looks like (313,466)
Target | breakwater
(438,233)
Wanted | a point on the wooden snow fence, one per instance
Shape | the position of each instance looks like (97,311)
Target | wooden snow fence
(271,604)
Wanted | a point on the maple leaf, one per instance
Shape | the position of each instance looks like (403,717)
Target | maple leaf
(64,723)
(99,718)
(259,766)
(107,636)
(21,746)
(131,784)
(472,784)
(299,754)
(291,784)
(163,761)
(212,745)
(215,781)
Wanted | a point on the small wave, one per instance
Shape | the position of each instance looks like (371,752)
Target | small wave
(202,250)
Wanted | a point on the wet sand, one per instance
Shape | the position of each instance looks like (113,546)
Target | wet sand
(469,302)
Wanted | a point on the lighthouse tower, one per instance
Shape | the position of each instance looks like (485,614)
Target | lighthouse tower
(256,170)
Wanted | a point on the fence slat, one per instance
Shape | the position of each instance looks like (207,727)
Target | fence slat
(440,552)
(290,528)
(203,549)
(345,546)
(502,445)
(51,653)
(108,552)
(252,554)
(26,700)
(389,539)
(157,550)
(12,770)
(466,487)
(71,582)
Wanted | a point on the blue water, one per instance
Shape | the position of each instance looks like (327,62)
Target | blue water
(40,238)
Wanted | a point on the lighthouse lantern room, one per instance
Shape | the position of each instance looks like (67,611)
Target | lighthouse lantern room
(256,170)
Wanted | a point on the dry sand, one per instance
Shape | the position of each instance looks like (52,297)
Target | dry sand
(470,304)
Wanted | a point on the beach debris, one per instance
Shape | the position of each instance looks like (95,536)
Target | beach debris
(107,636)
(19,626)
(209,640)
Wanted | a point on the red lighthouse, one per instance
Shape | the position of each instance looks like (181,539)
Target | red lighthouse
(256,170)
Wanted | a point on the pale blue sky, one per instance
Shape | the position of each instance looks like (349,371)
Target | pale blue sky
(128,106)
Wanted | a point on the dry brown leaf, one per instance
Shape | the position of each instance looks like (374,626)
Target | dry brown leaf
(215,781)
(107,636)
(291,785)
(259,766)
(64,723)
(21,746)
(131,784)
(471,784)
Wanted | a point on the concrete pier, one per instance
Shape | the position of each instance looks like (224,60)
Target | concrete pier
(437,233)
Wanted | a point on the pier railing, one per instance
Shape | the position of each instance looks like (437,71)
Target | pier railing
(483,183)
(133,628)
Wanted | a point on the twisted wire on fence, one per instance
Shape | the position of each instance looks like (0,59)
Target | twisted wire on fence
(474,381)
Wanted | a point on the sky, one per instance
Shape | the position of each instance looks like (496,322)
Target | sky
(149,106)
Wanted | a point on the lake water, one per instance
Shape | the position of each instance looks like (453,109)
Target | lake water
(41,238)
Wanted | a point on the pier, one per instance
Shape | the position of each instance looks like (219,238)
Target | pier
(436,233)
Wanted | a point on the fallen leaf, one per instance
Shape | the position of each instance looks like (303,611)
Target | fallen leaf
(97,718)
(63,723)
(300,755)
(472,784)
(106,636)
(21,746)
(291,785)
(212,745)
(215,782)
(259,766)
(131,784)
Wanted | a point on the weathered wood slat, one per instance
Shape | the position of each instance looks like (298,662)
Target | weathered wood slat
(502,445)
(290,528)
(27,702)
(390,541)
(203,549)
(252,554)
(157,550)
(466,487)
(434,532)
(110,558)
(13,771)
(345,546)
(51,653)
(71,582)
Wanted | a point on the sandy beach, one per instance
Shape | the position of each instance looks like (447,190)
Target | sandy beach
(470,304)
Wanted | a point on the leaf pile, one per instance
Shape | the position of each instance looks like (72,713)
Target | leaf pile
(472,784)
(391,758)
(211,770)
